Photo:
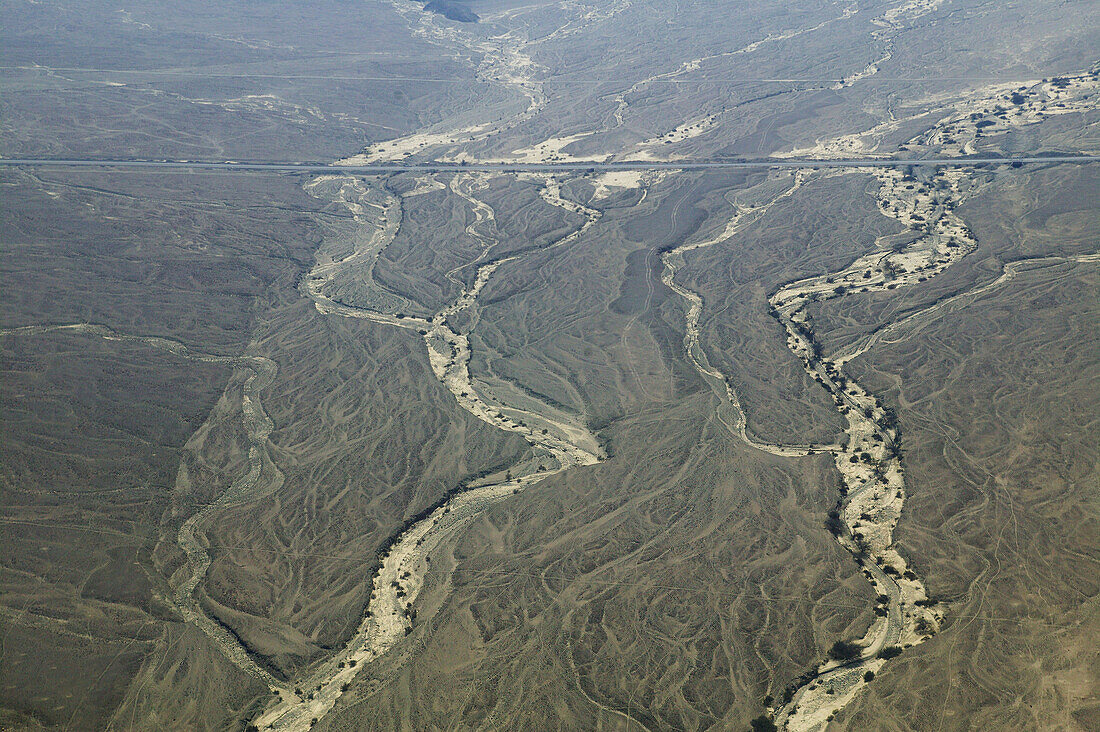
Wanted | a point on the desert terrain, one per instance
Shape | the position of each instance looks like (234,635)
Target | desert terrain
(615,366)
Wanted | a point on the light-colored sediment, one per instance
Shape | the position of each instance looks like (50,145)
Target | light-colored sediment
(958,122)
(873,478)
(556,446)
(867,461)
(673,261)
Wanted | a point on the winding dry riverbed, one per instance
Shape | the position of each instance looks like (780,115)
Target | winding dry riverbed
(871,499)
(873,491)
(868,460)
(257,426)
(867,457)
(556,446)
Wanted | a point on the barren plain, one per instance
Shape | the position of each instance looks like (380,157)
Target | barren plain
(574,447)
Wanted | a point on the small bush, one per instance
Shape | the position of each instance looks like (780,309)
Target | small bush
(845,651)
(763,724)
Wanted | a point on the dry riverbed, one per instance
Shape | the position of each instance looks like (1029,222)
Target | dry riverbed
(556,446)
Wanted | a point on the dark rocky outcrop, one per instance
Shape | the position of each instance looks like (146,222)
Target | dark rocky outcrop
(452,10)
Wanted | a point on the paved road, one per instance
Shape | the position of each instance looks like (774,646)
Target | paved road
(436,167)
(192,72)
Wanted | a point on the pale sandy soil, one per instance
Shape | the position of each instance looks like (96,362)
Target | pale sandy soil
(872,473)
(561,445)
(552,150)
(874,484)
(267,103)
(606,183)
(955,129)
(402,147)
(875,487)
(425,184)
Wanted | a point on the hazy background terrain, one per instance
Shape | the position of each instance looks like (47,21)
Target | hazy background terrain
(674,585)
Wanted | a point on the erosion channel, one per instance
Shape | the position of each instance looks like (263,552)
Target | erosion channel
(342,284)
(556,446)
(868,459)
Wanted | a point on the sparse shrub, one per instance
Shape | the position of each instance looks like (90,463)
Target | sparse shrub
(763,724)
(845,651)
